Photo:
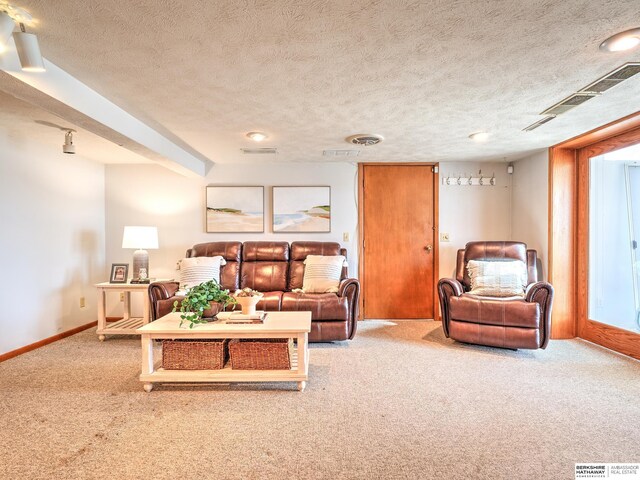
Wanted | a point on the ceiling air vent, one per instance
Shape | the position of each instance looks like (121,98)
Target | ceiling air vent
(612,79)
(259,151)
(366,139)
(539,123)
(341,153)
(568,103)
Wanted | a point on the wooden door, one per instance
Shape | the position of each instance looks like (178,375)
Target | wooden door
(398,240)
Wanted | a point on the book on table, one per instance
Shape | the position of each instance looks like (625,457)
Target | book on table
(238,317)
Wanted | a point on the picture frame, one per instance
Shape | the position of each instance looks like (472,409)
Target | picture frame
(119,273)
(301,209)
(234,209)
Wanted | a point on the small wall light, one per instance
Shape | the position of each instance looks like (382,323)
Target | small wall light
(510,169)
(28,51)
(68,146)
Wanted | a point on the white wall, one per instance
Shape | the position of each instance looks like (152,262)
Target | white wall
(52,243)
(472,213)
(530,213)
(152,195)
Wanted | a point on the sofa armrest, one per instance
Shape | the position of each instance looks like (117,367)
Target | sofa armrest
(542,294)
(447,288)
(350,288)
(161,291)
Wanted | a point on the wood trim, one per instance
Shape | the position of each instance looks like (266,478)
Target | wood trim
(603,132)
(46,341)
(582,242)
(561,244)
(361,237)
(569,233)
(611,337)
(436,241)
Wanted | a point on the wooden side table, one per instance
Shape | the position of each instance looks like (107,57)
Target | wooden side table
(128,325)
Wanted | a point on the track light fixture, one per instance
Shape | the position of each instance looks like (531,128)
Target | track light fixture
(26,43)
(68,146)
(6,29)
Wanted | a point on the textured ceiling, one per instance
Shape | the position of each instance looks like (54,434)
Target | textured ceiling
(424,74)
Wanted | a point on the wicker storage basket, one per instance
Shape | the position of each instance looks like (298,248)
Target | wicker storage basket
(260,354)
(197,354)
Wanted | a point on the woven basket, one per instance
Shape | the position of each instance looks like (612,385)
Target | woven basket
(194,354)
(260,354)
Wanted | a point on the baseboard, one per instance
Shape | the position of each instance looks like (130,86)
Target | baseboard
(46,341)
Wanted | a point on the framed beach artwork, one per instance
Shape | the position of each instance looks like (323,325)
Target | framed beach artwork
(302,209)
(235,209)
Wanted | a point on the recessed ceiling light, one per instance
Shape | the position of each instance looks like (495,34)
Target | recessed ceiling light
(479,136)
(257,136)
(622,41)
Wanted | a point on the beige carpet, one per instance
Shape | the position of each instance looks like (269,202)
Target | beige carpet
(400,401)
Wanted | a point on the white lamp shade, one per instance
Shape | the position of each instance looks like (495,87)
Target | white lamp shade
(140,238)
(29,52)
(6,29)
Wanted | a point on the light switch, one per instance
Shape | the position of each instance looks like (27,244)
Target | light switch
(444,237)
(345,237)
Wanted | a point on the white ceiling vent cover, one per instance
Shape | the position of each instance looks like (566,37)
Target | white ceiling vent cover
(568,103)
(539,123)
(610,80)
(365,139)
(259,151)
(341,153)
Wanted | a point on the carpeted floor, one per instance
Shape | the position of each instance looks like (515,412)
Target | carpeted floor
(400,401)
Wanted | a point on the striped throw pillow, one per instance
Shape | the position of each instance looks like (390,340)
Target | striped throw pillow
(322,273)
(498,278)
(197,270)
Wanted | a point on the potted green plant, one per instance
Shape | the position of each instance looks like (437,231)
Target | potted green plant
(208,296)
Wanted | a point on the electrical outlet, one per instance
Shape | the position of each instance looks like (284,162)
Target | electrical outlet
(122,296)
(345,237)
(444,237)
(81,302)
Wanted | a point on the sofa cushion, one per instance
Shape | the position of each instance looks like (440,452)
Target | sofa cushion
(197,270)
(508,312)
(264,276)
(231,252)
(265,252)
(270,302)
(322,273)
(497,278)
(323,306)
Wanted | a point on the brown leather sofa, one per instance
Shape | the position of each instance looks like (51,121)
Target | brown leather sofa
(508,322)
(277,268)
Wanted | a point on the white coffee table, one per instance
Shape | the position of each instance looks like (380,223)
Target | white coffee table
(295,325)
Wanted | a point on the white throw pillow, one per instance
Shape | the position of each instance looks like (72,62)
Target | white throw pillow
(197,270)
(322,273)
(505,278)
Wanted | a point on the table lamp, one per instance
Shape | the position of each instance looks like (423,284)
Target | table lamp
(140,238)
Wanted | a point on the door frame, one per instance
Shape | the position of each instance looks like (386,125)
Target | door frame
(569,233)
(435,166)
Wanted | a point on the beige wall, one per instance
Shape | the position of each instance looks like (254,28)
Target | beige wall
(530,211)
(52,244)
(472,213)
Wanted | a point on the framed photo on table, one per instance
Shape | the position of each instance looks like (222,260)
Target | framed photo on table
(235,209)
(119,273)
(302,209)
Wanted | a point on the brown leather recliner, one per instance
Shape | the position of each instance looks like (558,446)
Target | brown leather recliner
(507,322)
(276,268)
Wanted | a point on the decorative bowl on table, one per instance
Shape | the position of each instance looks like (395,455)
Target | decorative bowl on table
(247,298)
